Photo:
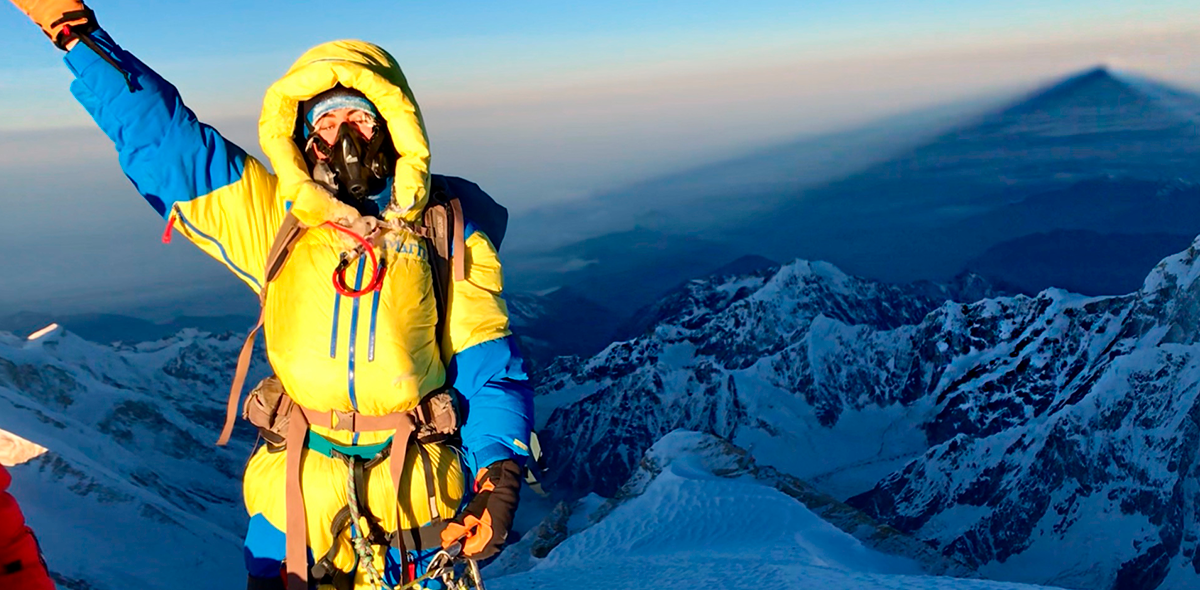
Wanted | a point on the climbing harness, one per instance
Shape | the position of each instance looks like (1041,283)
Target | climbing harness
(362,545)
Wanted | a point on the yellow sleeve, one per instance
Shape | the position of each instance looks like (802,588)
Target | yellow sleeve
(236,223)
(476,310)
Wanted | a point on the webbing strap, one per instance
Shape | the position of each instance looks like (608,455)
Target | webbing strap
(239,379)
(285,240)
(324,566)
(399,448)
(459,252)
(422,538)
(430,487)
(297,532)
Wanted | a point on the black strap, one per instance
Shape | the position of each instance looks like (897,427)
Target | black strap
(439,272)
(324,566)
(83,33)
(71,15)
(419,539)
(375,535)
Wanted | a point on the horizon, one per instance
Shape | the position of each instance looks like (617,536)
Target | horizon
(217,294)
(538,103)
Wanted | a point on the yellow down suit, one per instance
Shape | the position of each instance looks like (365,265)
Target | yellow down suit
(374,354)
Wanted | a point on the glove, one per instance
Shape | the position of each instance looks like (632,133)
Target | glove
(483,526)
(62,20)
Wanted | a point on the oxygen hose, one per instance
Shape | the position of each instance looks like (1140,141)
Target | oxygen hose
(339,273)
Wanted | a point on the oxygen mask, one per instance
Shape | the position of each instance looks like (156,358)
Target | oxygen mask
(352,167)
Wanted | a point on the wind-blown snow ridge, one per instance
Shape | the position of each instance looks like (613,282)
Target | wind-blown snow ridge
(694,516)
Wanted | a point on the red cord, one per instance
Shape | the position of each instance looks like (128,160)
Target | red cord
(339,273)
(166,239)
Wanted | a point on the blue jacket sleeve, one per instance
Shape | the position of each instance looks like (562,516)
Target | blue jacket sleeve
(224,199)
(497,402)
(167,154)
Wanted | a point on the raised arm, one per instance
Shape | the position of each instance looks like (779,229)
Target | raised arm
(204,185)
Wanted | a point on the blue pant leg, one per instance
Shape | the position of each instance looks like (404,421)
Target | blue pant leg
(265,548)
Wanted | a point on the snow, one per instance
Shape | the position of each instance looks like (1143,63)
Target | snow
(732,287)
(1069,561)
(691,528)
(130,492)
(853,454)
(132,541)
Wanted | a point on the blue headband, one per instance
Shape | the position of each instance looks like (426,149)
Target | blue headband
(339,101)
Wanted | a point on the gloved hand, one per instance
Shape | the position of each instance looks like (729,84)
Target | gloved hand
(484,525)
(61,20)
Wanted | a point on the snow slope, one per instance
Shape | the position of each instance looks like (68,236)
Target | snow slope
(692,517)
(132,493)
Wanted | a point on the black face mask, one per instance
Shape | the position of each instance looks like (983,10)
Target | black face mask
(353,167)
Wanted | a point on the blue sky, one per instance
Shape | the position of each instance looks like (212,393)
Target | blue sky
(605,92)
(225,53)
(543,101)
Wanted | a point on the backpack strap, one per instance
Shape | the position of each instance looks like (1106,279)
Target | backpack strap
(285,240)
(459,251)
(435,230)
(448,227)
(445,232)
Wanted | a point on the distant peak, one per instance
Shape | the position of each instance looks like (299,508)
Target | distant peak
(1094,84)
(1098,71)
(1086,78)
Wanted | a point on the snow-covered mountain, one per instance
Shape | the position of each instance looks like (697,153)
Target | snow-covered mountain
(129,492)
(698,513)
(714,359)
(1047,439)
(132,493)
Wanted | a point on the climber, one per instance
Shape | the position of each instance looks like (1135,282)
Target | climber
(21,564)
(367,339)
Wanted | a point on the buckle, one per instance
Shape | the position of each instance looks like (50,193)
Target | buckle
(343,421)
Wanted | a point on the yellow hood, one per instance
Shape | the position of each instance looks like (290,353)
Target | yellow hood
(372,71)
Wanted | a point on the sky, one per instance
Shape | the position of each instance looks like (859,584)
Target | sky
(543,101)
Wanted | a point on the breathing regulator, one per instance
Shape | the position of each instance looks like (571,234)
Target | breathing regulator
(352,167)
